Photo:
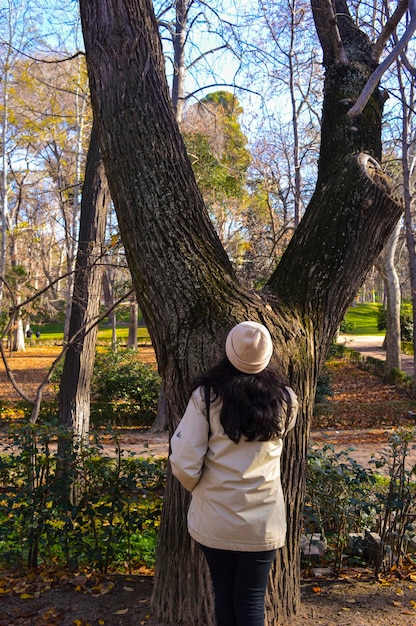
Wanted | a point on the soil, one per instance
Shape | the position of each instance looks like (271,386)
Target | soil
(63,598)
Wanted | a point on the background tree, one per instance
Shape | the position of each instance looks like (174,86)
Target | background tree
(184,281)
(74,397)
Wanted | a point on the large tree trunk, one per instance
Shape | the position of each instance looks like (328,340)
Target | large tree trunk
(74,407)
(184,281)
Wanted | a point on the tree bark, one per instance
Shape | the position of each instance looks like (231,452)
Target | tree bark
(74,407)
(184,281)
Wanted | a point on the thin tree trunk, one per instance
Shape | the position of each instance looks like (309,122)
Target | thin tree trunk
(393,339)
(74,407)
(133,324)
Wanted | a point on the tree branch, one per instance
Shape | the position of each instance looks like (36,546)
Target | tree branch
(375,78)
(334,34)
(389,28)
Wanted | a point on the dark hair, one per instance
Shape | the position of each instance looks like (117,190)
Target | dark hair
(251,403)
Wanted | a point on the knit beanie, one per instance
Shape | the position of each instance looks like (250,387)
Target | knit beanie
(249,347)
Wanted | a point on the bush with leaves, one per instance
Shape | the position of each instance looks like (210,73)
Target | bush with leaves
(338,498)
(343,497)
(406,320)
(112,522)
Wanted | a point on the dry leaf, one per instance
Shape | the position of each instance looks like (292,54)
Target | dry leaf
(121,612)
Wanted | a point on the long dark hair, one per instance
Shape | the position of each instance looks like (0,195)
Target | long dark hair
(252,404)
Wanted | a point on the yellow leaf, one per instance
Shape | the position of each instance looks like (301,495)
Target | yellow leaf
(26,596)
(413,577)
(413,603)
(101,622)
(399,592)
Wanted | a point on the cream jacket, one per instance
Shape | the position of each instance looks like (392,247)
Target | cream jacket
(237,500)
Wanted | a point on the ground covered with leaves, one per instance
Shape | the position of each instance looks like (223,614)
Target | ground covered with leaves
(360,404)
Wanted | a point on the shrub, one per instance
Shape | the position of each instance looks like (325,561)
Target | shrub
(323,386)
(342,497)
(112,522)
(338,498)
(406,320)
(346,327)
(124,391)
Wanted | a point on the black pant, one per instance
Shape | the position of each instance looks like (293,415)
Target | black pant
(240,581)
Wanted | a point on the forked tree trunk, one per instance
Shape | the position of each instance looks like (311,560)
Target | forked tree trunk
(74,407)
(185,284)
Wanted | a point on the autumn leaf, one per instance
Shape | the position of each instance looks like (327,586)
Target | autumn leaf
(122,612)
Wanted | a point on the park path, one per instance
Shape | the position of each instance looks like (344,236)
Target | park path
(372,345)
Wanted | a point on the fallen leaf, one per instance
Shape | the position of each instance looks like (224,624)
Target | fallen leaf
(317,589)
(121,612)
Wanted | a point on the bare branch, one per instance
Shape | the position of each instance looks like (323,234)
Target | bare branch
(46,61)
(389,28)
(382,68)
(340,56)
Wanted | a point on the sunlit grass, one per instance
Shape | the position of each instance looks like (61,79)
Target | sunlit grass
(362,319)
(53,332)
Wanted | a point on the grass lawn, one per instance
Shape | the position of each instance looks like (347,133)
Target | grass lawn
(54,332)
(362,320)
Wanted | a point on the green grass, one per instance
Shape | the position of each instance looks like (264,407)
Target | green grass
(54,332)
(362,320)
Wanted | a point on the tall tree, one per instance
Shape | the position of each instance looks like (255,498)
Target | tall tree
(184,281)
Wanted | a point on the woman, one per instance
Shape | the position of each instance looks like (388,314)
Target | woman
(226,451)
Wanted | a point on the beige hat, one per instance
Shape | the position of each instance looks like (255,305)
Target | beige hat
(249,347)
